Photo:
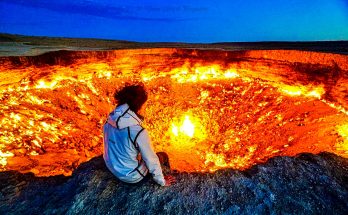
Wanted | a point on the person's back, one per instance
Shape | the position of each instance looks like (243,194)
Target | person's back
(128,152)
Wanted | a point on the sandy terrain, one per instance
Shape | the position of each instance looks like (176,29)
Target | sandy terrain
(19,45)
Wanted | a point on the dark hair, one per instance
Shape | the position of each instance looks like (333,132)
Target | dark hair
(134,95)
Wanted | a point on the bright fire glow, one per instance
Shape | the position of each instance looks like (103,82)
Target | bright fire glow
(187,128)
(43,85)
(343,144)
(207,114)
(309,91)
(4,156)
(184,129)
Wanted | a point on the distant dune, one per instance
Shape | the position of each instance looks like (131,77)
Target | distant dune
(20,45)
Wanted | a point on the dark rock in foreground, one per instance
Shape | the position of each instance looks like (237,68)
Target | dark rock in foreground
(306,184)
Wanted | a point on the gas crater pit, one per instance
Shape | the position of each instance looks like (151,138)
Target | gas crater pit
(207,109)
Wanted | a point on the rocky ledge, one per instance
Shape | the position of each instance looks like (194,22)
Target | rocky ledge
(305,184)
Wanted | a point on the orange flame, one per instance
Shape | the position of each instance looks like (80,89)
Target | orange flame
(205,114)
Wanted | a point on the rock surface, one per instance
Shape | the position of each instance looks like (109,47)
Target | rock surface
(305,184)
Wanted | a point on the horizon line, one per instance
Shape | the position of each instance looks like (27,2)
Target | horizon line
(216,42)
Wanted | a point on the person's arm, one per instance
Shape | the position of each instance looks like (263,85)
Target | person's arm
(150,157)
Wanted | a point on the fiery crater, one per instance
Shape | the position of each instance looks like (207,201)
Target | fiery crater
(207,109)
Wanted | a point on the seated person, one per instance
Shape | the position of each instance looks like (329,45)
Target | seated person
(128,152)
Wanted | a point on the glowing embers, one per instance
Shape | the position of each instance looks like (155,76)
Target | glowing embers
(201,73)
(45,85)
(342,143)
(308,91)
(233,152)
(3,158)
(186,131)
(30,129)
(215,161)
(205,114)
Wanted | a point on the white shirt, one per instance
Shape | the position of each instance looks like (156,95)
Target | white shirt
(120,153)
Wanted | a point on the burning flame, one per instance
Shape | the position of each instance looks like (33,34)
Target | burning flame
(308,91)
(4,156)
(205,114)
(343,144)
(44,85)
(186,131)
(187,128)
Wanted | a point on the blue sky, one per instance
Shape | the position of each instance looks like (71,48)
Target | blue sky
(179,21)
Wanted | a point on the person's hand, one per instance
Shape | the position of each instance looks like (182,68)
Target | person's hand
(169,180)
